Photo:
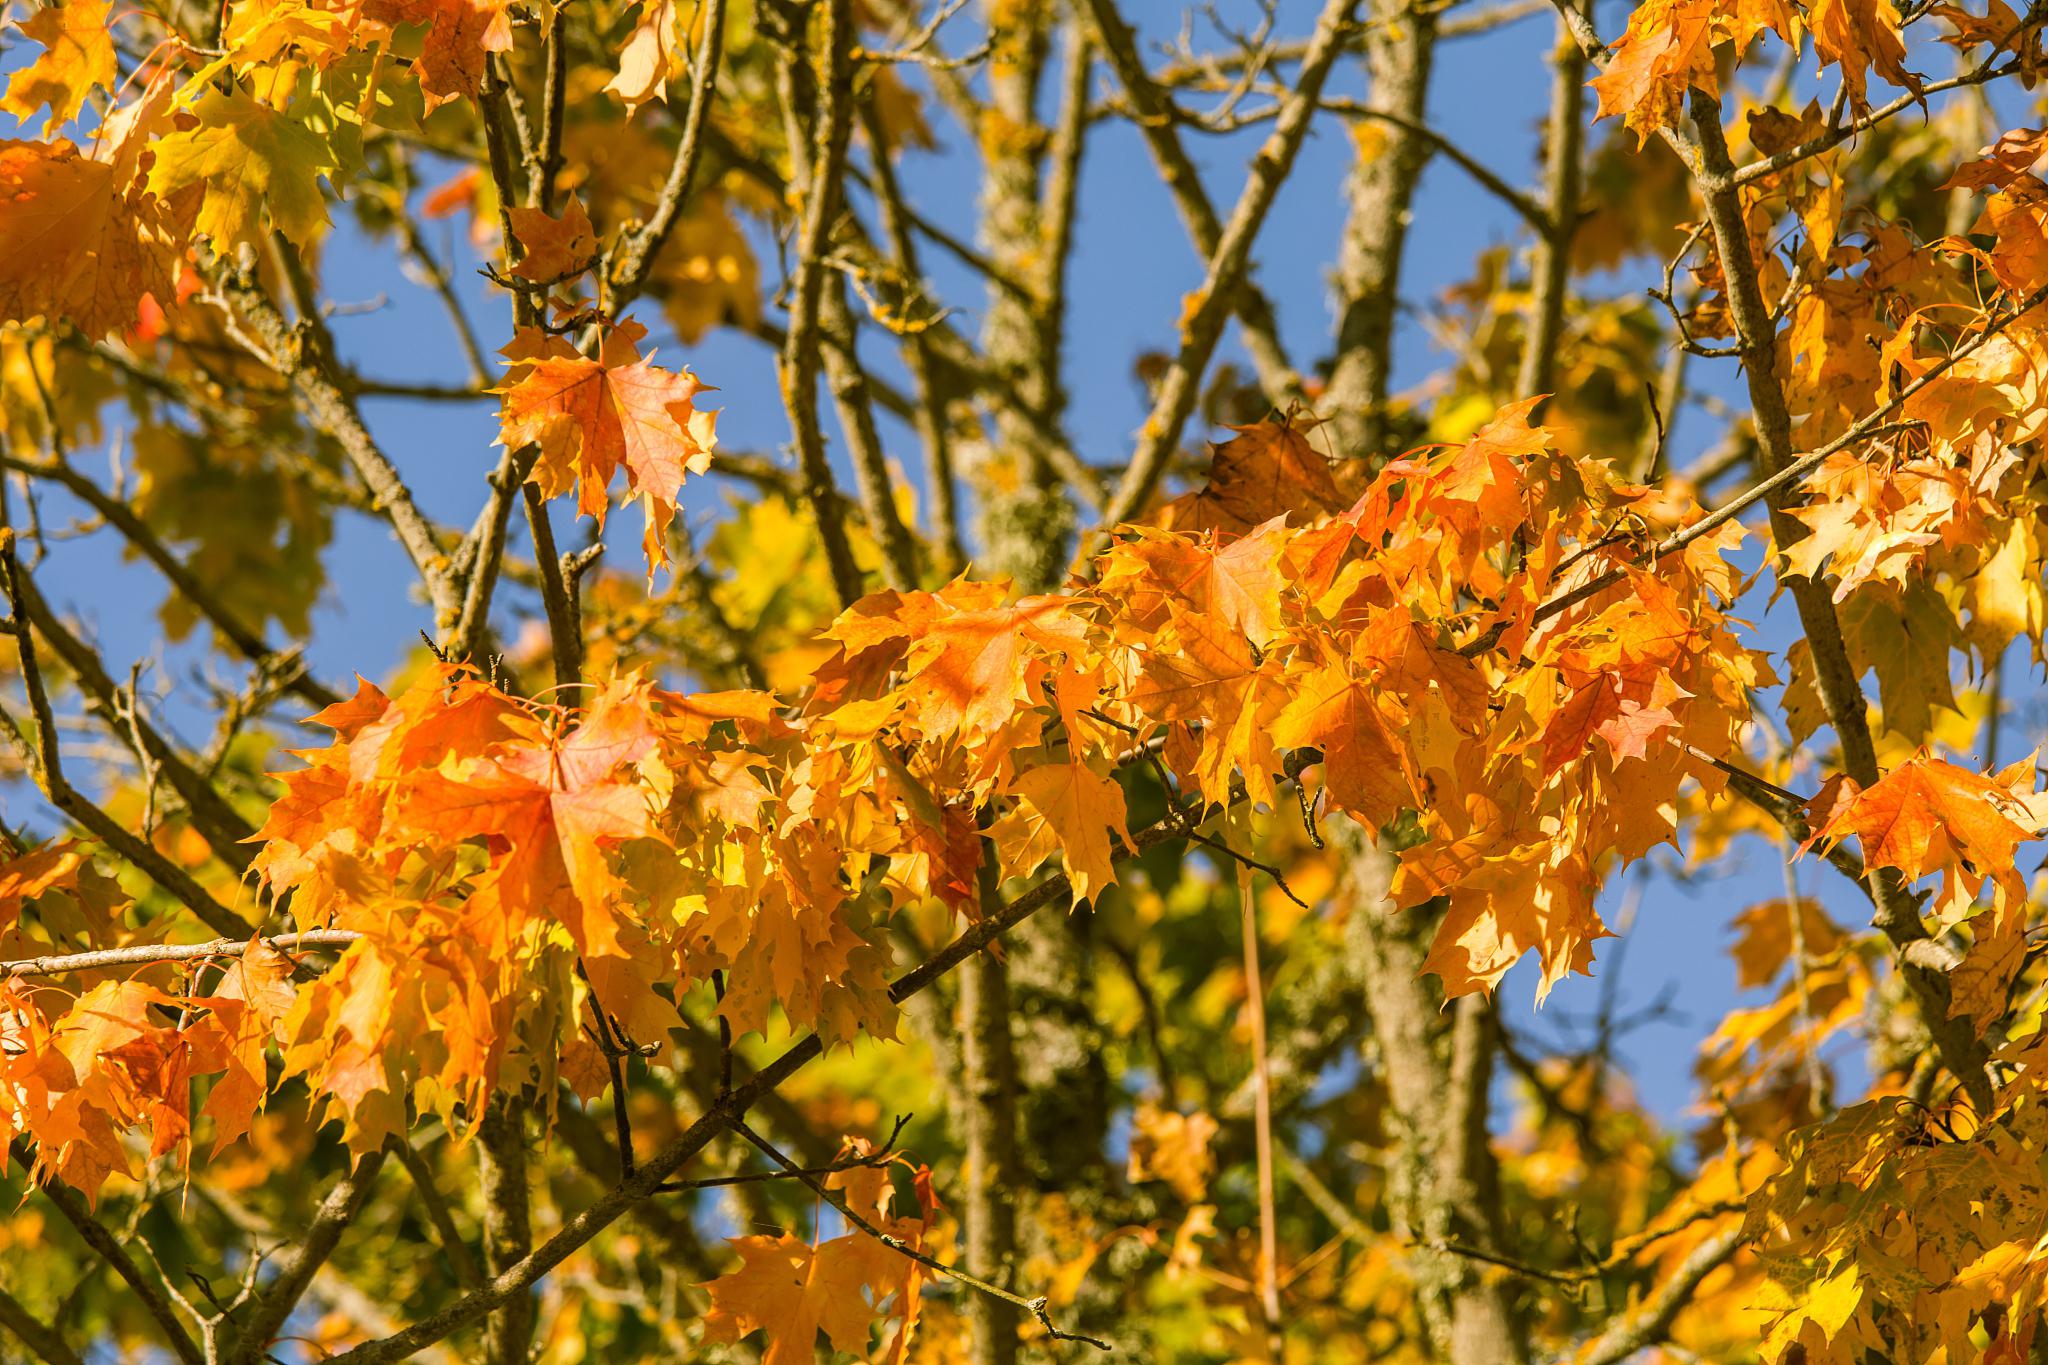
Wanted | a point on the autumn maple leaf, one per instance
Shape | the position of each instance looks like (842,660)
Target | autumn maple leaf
(650,57)
(792,1290)
(1267,470)
(592,417)
(71,239)
(555,247)
(558,804)
(1927,815)
(1077,808)
(77,58)
(461,36)
(254,162)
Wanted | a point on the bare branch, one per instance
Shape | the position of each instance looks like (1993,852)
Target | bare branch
(565,622)
(304,355)
(44,1342)
(1162,430)
(460,1258)
(508,1223)
(43,759)
(821,174)
(1155,118)
(143,955)
(1834,675)
(630,271)
(1552,266)
(1765,167)
(1651,1320)
(218,822)
(934,427)
(295,1272)
(286,667)
(148,1291)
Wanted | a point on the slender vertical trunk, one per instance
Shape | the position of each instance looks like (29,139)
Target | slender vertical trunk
(1024,519)
(508,1228)
(1437,1062)
(1923,961)
(1400,41)
(991,1141)
(1038,1089)
(1553,262)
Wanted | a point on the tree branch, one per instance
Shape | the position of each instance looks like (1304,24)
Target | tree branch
(44,1342)
(1552,267)
(143,955)
(1154,117)
(109,1248)
(1036,1307)
(303,354)
(1919,956)
(218,822)
(296,1271)
(44,760)
(1161,433)
(1768,166)
(629,273)
(798,371)
(508,1223)
(461,1259)
(648,1179)
(1651,1321)
(287,667)
(934,427)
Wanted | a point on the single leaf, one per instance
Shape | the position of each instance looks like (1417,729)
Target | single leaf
(77,58)
(555,248)
(1928,815)
(1080,809)
(651,58)
(255,162)
(461,35)
(75,242)
(1267,470)
(591,418)
(792,1291)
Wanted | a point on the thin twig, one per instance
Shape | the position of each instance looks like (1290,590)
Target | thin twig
(56,964)
(1201,331)
(1036,1307)
(800,359)
(149,1292)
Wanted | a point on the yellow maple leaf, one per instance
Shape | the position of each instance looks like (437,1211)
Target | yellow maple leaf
(255,162)
(77,58)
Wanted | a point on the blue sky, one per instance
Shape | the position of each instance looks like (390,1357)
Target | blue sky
(1132,267)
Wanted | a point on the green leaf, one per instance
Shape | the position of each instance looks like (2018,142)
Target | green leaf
(253,160)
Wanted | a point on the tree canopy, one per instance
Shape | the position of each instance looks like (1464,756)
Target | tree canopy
(976,887)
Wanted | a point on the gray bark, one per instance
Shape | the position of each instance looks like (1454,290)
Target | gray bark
(1400,43)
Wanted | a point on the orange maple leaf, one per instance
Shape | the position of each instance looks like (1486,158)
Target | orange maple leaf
(792,1290)
(1927,815)
(77,58)
(461,35)
(72,239)
(558,805)
(555,248)
(590,417)
(1267,470)
(1079,809)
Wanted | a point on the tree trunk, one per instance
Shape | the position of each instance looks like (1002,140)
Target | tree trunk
(1400,40)
(508,1230)
(1436,1062)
